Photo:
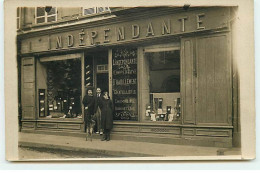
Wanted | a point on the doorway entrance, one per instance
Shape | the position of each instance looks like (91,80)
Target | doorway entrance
(97,63)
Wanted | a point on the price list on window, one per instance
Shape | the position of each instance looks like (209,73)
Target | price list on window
(124,69)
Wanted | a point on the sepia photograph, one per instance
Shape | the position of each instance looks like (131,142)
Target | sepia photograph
(116,82)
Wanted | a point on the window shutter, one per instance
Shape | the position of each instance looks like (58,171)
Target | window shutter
(28,88)
(213,80)
(187,81)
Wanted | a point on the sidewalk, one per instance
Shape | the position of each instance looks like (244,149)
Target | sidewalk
(119,148)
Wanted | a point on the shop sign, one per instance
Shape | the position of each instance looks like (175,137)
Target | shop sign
(124,69)
(130,31)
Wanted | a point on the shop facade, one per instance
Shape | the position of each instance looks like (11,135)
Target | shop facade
(169,72)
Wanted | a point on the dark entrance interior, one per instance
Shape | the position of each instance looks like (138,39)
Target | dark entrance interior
(102,70)
(97,70)
(102,81)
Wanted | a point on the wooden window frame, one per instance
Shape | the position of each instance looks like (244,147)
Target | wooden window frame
(141,62)
(95,10)
(45,16)
(18,17)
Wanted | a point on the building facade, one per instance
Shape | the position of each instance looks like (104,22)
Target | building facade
(169,71)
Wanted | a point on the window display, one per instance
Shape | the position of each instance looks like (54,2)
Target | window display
(63,89)
(163,81)
(42,103)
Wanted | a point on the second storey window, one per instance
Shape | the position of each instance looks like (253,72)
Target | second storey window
(43,15)
(18,17)
(94,10)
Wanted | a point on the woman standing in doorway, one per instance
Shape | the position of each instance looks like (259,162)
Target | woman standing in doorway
(106,116)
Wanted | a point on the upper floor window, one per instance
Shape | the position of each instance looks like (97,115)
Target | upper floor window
(46,14)
(94,10)
(18,17)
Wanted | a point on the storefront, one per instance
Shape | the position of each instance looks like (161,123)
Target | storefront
(168,72)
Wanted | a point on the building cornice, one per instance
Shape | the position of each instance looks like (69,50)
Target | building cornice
(66,26)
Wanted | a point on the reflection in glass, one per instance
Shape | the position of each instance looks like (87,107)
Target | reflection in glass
(63,88)
(40,11)
(164,71)
(52,18)
(52,11)
(163,82)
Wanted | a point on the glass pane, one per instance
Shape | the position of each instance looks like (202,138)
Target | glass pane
(124,70)
(107,9)
(100,9)
(51,19)
(88,11)
(18,12)
(18,24)
(164,71)
(41,20)
(164,60)
(53,11)
(40,11)
(162,100)
(63,82)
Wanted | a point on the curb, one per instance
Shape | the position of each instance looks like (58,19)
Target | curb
(102,152)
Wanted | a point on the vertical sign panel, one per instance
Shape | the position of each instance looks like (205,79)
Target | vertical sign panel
(124,69)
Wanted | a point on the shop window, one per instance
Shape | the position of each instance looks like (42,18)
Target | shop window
(95,10)
(60,93)
(163,84)
(43,15)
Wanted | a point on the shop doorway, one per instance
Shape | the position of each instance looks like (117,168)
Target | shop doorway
(101,68)
(96,74)
(102,81)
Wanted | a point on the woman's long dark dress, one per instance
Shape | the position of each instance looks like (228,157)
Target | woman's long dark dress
(106,114)
(88,101)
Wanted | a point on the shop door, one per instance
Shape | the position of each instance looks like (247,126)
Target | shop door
(207,86)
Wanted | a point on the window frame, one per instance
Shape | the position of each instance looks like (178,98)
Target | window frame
(176,45)
(95,11)
(18,18)
(45,15)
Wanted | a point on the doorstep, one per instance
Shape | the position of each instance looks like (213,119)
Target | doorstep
(120,148)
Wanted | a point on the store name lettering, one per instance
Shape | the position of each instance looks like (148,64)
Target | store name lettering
(120,33)
(124,81)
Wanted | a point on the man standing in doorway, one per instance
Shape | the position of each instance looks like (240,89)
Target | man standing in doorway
(97,111)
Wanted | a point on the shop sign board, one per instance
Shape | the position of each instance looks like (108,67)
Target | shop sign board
(124,70)
(130,31)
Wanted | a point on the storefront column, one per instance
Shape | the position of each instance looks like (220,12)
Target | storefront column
(82,86)
(143,84)
(110,79)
